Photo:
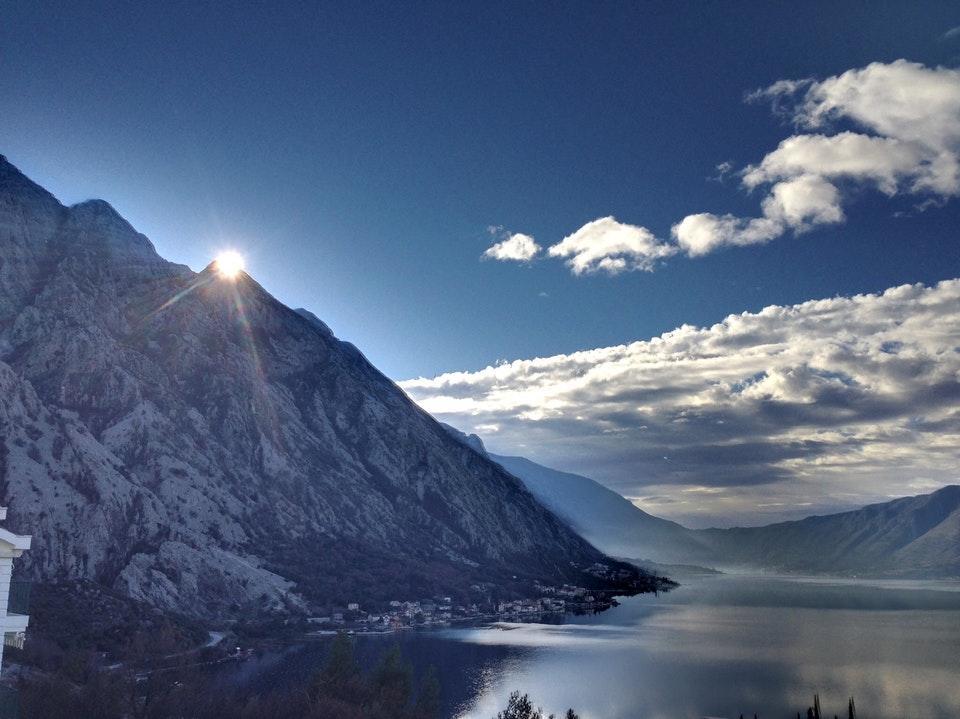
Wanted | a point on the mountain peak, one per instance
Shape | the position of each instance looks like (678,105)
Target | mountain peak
(22,189)
(102,213)
(8,168)
(97,206)
(98,221)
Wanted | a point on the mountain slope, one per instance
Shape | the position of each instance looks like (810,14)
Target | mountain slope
(196,444)
(600,515)
(605,518)
(912,536)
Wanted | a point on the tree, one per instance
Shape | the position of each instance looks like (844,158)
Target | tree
(520,707)
(340,677)
(428,697)
(392,681)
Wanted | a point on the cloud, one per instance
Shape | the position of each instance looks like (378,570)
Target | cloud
(516,247)
(878,160)
(703,233)
(798,204)
(951,34)
(606,245)
(903,100)
(903,138)
(893,127)
(803,201)
(849,399)
(723,170)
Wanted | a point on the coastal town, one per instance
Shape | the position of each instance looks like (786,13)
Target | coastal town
(441,611)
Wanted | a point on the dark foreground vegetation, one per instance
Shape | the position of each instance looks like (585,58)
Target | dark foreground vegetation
(520,707)
(815,712)
(78,622)
(340,690)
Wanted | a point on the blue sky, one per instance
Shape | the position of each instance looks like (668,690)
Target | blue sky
(365,157)
(358,154)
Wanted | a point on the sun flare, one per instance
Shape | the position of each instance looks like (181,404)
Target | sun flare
(229,264)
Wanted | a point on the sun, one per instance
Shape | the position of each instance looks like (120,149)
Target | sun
(229,264)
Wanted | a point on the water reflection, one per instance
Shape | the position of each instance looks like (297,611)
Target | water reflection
(744,644)
(715,647)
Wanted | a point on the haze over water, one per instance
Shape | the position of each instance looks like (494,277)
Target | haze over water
(718,646)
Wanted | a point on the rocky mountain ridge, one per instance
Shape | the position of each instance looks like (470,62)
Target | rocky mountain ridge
(192,442)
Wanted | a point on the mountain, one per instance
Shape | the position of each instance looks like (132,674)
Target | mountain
(909,537)
(605,518)
(190,442)
(600,515)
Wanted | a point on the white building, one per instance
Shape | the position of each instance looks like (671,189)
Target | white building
(14,596)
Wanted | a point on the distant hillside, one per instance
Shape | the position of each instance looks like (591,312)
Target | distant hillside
(907,537)
(601,516)
(605,518)
(912,536)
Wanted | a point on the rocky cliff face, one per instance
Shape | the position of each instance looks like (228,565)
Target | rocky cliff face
(191,441)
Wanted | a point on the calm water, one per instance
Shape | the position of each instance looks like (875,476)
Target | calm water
(714,647)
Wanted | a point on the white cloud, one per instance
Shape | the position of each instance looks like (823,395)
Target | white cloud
(851,399)
(899,134)
(606,245)
(903,100)
(879,160)
(703,233)
(516,247)
(803,201)
(905,140)
(798,204)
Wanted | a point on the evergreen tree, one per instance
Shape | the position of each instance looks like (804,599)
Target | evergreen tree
(520,707)
(340,677)
(428,698)
(393,682)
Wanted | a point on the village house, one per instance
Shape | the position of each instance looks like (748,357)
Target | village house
(14,596)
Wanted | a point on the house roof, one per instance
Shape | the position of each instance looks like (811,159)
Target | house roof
(16,541)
